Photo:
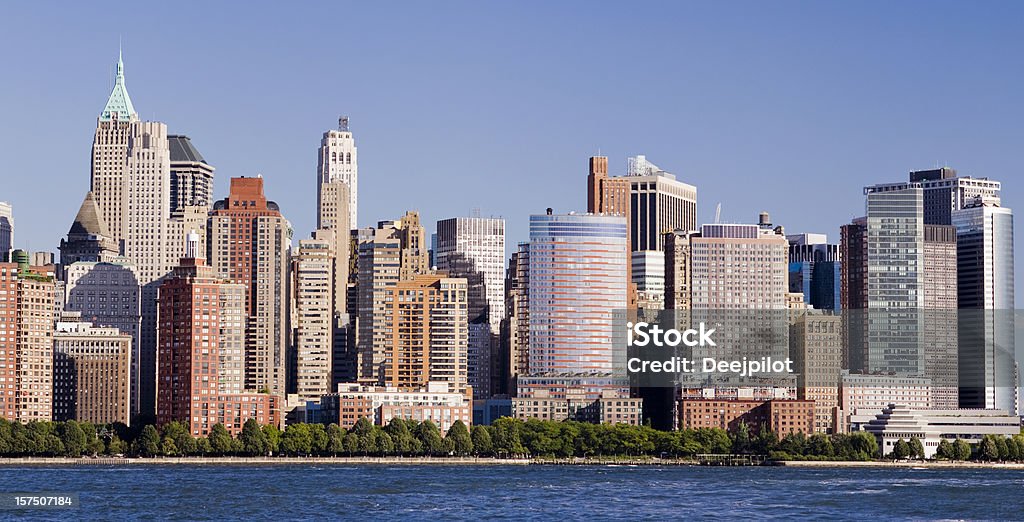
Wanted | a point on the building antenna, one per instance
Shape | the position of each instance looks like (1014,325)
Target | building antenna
(718,213)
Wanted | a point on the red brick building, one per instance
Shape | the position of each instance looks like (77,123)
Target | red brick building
(200,354)
(781,417)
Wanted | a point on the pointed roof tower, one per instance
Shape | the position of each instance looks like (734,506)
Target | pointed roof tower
(119,104)
(89,239)
(88,221)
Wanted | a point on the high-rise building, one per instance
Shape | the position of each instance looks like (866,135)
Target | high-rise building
(191,176)
(108,295)
(659,203)
(91,372)
(249,243)
(678,270)
(739,275)
(577,282)
(27,296)
(945,192)
(516,326)
(427,332)
(816,348)
(203,357)
(6,230)
(814,270)
(334,229)
(988,366)
(337,161)
(394,251)
(895,280)
(853,290)
(473,248)
(312,319)
(473,245)
(939,340)
(131,185)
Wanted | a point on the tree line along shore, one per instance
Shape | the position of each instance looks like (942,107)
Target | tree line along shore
(506,438)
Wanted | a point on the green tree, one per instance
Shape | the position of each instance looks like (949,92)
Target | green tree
(1013,449)
(794,444)
(116,446)
(820,445)
(864,445)
(507,442)
(1004,449)
(253,439)
(169,448)
(481,439)
(916,448)
(350,443)
(385,444)
(989,449)
(203,446)
(318,439)
(297,440)
(430,436)
(963,449)
(462,443)
(220,440)
(741,439)
(945,450)
(335,440)
(404,442)
(148,443)
(273,438)
(73,438)
(178,431)
(901,450)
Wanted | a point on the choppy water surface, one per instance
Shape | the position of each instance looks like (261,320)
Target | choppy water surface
(521,492)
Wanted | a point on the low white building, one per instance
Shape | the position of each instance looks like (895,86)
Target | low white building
(899,421)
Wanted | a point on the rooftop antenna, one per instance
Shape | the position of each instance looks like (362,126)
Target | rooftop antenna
(718,213)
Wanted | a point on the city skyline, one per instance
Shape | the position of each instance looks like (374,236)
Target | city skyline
(833,131)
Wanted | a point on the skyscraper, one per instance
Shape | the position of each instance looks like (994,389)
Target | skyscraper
(895,282)
(131,185)
(107,294)
(27,296)
(91,372)
(191,176)
(313,319)
(394,251)
(473,248)
(249,244)
(515,334)
(816,340)
(475,245)
(739,277)
(659,203)
(426,330)
(939,339)
(577,282)
(814,270)
(988,367)
(337,160)
(203,357)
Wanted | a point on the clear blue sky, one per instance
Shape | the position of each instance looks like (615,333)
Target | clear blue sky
(789,107)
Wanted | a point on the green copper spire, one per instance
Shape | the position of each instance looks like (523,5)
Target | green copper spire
(119,105)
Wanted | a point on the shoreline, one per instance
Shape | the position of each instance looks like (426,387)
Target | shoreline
(900,464)
(469,461)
